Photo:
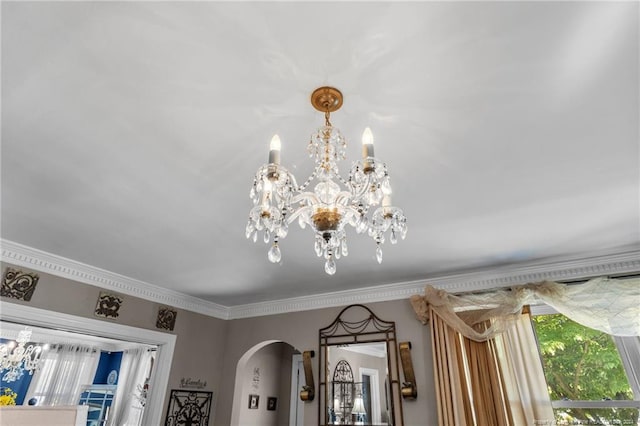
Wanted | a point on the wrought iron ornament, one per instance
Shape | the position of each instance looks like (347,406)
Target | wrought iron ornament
(189,408)
(108,305)
(166,318)
(18,284)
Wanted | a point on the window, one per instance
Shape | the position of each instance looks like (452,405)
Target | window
(64,369)
(591,376)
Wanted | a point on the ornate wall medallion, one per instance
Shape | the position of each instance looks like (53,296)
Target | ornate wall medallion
(108,305)
(166,318)
(18,284)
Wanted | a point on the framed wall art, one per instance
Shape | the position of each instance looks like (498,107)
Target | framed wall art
(272,403)
(254,401)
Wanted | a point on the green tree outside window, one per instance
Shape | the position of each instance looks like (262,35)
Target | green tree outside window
(583,364)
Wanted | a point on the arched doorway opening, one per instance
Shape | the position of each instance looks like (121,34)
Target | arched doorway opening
(264,385)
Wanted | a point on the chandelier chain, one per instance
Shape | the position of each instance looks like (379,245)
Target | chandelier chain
(308,181)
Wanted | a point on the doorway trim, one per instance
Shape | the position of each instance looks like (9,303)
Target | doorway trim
(165,343)
(296,407)
(375,392)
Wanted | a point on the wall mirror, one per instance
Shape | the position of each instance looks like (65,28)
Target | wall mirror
(359,372)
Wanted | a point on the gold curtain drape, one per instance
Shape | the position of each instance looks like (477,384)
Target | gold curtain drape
(469,382)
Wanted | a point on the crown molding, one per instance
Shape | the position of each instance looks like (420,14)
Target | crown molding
(567,269)
(622,262)
(28,257)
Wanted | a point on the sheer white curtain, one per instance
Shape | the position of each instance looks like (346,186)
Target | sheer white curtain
(605,304)
(608,305)
(64,368)
(524,377)
(134,369)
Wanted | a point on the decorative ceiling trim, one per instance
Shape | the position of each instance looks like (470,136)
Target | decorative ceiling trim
(624,261)
(566,269)
(21,255)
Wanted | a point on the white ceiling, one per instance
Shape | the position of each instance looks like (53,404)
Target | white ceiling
(131,132)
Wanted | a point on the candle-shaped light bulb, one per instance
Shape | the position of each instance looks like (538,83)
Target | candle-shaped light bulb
(367,143)
(386,207)
(274,150)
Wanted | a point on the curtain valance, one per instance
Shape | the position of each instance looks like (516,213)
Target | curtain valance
(608,305)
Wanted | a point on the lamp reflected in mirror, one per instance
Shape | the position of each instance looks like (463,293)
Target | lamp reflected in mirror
(359,410)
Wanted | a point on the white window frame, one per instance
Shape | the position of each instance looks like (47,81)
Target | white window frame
(630,356)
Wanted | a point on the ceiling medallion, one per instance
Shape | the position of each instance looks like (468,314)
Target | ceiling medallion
(363,200)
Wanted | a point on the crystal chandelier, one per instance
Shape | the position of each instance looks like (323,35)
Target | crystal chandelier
(362,200)
(15,359)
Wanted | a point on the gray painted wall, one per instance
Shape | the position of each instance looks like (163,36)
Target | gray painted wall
(300,329)
(199,348)
(272,379)
(209,349)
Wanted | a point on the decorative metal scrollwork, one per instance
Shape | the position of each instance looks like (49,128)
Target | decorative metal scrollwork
(409,388)
(342,389)
(18,284)
(108,305)
(308,391)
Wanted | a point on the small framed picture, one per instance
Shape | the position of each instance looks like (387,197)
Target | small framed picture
(253,402)
(272,402)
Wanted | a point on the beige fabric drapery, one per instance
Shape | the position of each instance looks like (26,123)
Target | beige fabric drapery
(469,383)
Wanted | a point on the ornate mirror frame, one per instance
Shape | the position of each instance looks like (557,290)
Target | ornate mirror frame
(351,327)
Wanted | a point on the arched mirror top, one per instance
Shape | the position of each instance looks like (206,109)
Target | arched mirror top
(357,322)
(362,344)
(343,372)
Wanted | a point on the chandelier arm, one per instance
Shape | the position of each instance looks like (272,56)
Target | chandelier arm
(349,212)
(344,198)
(305,196)
(363,188)
(294,182)
(298,212)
